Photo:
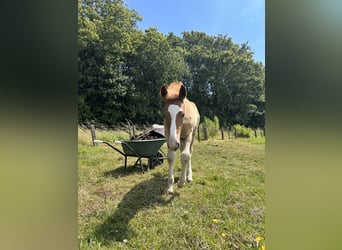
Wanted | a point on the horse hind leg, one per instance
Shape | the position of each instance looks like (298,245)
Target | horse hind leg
(189,172)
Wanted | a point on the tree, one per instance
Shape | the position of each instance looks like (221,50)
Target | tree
(225,81)
(154,64)
(105,32)
(199,60)
(122,69)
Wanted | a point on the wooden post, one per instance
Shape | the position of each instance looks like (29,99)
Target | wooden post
(93,135)
(134,128)
(228,133)
(222,133)
(205,133)
(129,128)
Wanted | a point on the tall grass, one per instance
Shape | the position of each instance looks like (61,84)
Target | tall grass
(223,208)
(212,126)
(84,135)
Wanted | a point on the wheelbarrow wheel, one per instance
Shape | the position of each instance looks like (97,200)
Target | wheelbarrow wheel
(156,160)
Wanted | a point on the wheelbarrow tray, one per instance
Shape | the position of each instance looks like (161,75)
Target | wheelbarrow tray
(141,148)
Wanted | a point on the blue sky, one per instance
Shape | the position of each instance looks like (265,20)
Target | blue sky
(242,20)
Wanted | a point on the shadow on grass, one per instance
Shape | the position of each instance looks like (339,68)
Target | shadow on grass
(144,195)
(122,172)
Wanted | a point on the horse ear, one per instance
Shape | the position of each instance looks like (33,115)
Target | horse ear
(163,91)
(182,93)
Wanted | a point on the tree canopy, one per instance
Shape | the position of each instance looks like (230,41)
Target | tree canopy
(122,68)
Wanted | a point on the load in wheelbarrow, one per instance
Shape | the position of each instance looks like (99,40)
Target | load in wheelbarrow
(149,149)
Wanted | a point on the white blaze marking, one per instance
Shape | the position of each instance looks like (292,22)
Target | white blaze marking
(173,110)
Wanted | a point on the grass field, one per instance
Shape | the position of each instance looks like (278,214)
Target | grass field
(223,208)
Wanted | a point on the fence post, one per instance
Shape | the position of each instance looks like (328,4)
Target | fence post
(129,128)
(222,133)
(134,129)
(205,133)
(93,135)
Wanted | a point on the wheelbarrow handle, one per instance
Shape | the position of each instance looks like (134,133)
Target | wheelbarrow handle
(110,145)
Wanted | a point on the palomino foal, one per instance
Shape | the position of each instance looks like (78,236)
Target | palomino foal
(181,119)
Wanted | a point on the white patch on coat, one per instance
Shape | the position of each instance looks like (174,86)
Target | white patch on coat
(173,110)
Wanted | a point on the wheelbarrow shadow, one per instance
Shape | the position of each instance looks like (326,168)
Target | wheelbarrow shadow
(122,171)
(129,170)
(144,195)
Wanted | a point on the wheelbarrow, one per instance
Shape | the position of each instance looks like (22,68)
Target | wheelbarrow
(149,149)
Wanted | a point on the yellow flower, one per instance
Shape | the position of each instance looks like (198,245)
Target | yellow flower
(263,248)
(257,239)
(216,220)
(223,235)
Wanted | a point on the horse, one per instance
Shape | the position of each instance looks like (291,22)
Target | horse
(181,120)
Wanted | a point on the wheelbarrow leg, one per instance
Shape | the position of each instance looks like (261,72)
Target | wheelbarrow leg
(141,165)
(140,162)
(125,162)
(149,164)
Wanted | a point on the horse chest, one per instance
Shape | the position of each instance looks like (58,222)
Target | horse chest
(186,130)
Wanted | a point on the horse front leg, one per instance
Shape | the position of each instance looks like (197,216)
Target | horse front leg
(186,161)
(170,180)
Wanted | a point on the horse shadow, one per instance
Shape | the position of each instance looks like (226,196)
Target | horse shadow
(144,195)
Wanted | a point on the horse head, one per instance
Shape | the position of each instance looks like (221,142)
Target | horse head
(173,97)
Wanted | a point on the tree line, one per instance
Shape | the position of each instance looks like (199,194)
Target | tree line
(121,69)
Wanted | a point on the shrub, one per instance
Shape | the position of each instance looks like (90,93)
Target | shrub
(242,131)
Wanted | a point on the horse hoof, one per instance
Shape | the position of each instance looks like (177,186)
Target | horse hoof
(189,180)
(169,191)
(180,184)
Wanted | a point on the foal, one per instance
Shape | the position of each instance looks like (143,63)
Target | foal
(181,119)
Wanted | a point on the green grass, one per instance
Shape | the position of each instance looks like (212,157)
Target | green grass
(129,210)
